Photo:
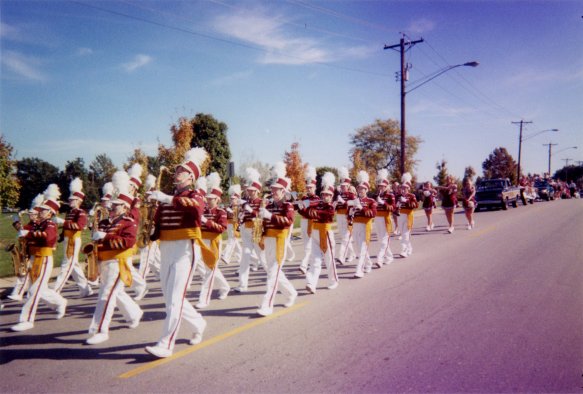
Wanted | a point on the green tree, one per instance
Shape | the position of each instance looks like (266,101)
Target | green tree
(379,146)
(101,170)
(570,173)
(440,178)
(9,185)
(74,169)
(211,135)
(34,175)
(469,173)
(500,164)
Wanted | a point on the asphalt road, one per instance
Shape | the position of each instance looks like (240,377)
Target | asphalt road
(495,309)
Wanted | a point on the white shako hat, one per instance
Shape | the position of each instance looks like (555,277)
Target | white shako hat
(107,191)
(150,182)
(252,176)
(76,187)
(213,181)
(328,180)
(383,177)
(406,179)
(200,185)
(235,190)
(279,174)
(362,178)
(121,185)
(310,176)
(135,173)
(343,176)
(193,160)
(51,198)
(36,203)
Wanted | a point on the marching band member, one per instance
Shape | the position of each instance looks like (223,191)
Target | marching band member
(248,211)
(306,222)
(23,282)
(449,200)
(139,285)
(42,241)
(177,226)
(408,203)
(429,195)
(74,224)
(346,251)
(277,217)
(364,210)
(233,247)
(114,239)
(214,223)
(396,187)
(322,235)
(150,252)
(469,201)
(382,222)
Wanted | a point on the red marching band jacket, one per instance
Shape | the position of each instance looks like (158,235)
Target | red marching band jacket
(248,217)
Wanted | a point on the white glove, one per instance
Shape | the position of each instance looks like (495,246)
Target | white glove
(426,193)
(306,203)
(22,233)
(351,203)
(380,200)
(248,208)
(340,199)
(58,220)
(229,210)
(358,205)
(265,214)
(203,219)
(241,201)
(92,212)
(98,235)
(160,196)
(403,199)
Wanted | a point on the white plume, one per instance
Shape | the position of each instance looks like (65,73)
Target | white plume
(150,182)
(37,201)
(213,181)
(121,182)
(235,189)
(362,176)
(343,173)
(406,178)
(252,175)
(196,155)
(107,189)
(382,175)
(76,185)
(310,173)
(52,192)
(201,184)
(279,170)
(328,179)
(135,171)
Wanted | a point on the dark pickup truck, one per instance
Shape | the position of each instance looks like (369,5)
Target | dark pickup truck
(497,193)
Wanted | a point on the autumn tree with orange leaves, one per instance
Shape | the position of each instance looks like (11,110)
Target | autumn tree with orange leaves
(295,168)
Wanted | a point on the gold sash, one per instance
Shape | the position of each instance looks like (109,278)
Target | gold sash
(368,228)
(322,229)
(280,238)
(208,256)
(39,254)
(71,236)
(122,258)
(310,227)
(215,239)
(409,213)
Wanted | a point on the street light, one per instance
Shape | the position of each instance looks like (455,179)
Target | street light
(520,139)
(559,151)
(418,84)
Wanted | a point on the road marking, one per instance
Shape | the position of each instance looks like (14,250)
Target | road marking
(483,231)
(211,341)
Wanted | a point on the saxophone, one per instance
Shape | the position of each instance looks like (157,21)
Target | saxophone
(19,253)
(148,216)
(91,249)
(257,234)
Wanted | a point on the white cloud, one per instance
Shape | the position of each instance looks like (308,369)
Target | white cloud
(138,62)
(84,51)
(421,26)
(24,66)
(229,79)
(8,32)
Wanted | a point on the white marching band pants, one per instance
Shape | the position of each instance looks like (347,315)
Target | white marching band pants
(40,291)
(384,255)
(346,248)
(316,262)
(248,247)
(275,276)
(111,294)
(208,279)
(405,231)
(233,250)
(178,262)
(364,263)
(307,243)
(71,267)
(149,259)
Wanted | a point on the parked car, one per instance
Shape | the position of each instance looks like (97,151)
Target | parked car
(497,193)
(544,189)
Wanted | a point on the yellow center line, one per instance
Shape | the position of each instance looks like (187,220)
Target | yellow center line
(211,341)
(484,231)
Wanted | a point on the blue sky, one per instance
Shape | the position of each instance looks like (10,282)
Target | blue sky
(80,78)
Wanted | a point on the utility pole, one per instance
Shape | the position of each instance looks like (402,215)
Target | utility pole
(550,145)
(566,162)
(404,69)
(522,122)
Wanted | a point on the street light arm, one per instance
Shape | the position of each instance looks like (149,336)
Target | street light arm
(537,133)
(439,72)
(564,149)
